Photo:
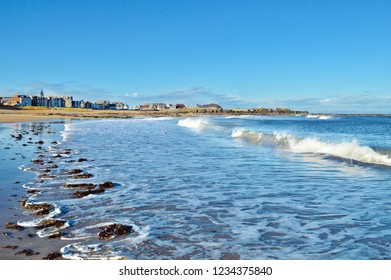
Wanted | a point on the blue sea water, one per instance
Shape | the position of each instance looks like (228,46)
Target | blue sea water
(197,188)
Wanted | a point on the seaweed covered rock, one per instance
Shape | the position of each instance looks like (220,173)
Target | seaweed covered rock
(50,223)
(53,256)
(55,235)
(81,186)
(91,188)
(106,185)
(75,171)
(38,161)
(83,176)
(10,247)
(13,226)
(27,252)
(114,230)
(43,208)
(80,194)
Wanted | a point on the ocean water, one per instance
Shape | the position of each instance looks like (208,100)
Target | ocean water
(315,187)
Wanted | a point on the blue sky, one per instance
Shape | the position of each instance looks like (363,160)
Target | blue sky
(321,56)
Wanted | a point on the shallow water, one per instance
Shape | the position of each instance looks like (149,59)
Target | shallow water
(259,187)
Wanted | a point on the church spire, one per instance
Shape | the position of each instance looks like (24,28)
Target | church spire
(41,93)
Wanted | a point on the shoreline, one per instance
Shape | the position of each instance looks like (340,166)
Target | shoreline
(21,143)
(25,115)
(13,115)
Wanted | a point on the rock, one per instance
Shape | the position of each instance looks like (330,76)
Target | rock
(54,166)
(13,226)
(10,247)
(114,230)
(55,235)
(53,256)
(75,171)
(40,142)
(37,161)
(83,176)
(27,252)
(106,185)
(50,223)
(54,142)
(82,186)
(33,191)
(82,159)
(80,194)
(44,208)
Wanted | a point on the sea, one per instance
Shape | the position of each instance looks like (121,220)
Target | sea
(248,187)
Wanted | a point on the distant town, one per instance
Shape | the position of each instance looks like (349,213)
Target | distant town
(23,100)
(42,101)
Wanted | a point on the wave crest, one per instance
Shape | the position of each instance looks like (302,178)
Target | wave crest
(346,150)
(192,123)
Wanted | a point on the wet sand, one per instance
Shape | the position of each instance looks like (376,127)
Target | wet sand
(20,143)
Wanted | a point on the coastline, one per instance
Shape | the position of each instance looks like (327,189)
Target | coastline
(12,115)
(37,114)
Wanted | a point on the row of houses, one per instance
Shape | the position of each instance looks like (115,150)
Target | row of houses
(21,100)
(164,106)
(158,107)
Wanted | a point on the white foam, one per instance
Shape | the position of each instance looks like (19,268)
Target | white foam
(312,116)
(50,230)
(78,251)
(347,150)
(194,123)
(237,132)
(325,117)
(248,135)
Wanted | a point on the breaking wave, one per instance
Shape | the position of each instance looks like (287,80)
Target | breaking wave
(193,123)
(345,150)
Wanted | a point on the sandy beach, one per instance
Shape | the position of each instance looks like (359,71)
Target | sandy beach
(39,113)
(22,115)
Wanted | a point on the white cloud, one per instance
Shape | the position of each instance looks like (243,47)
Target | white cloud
(135,94)
(325,101)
